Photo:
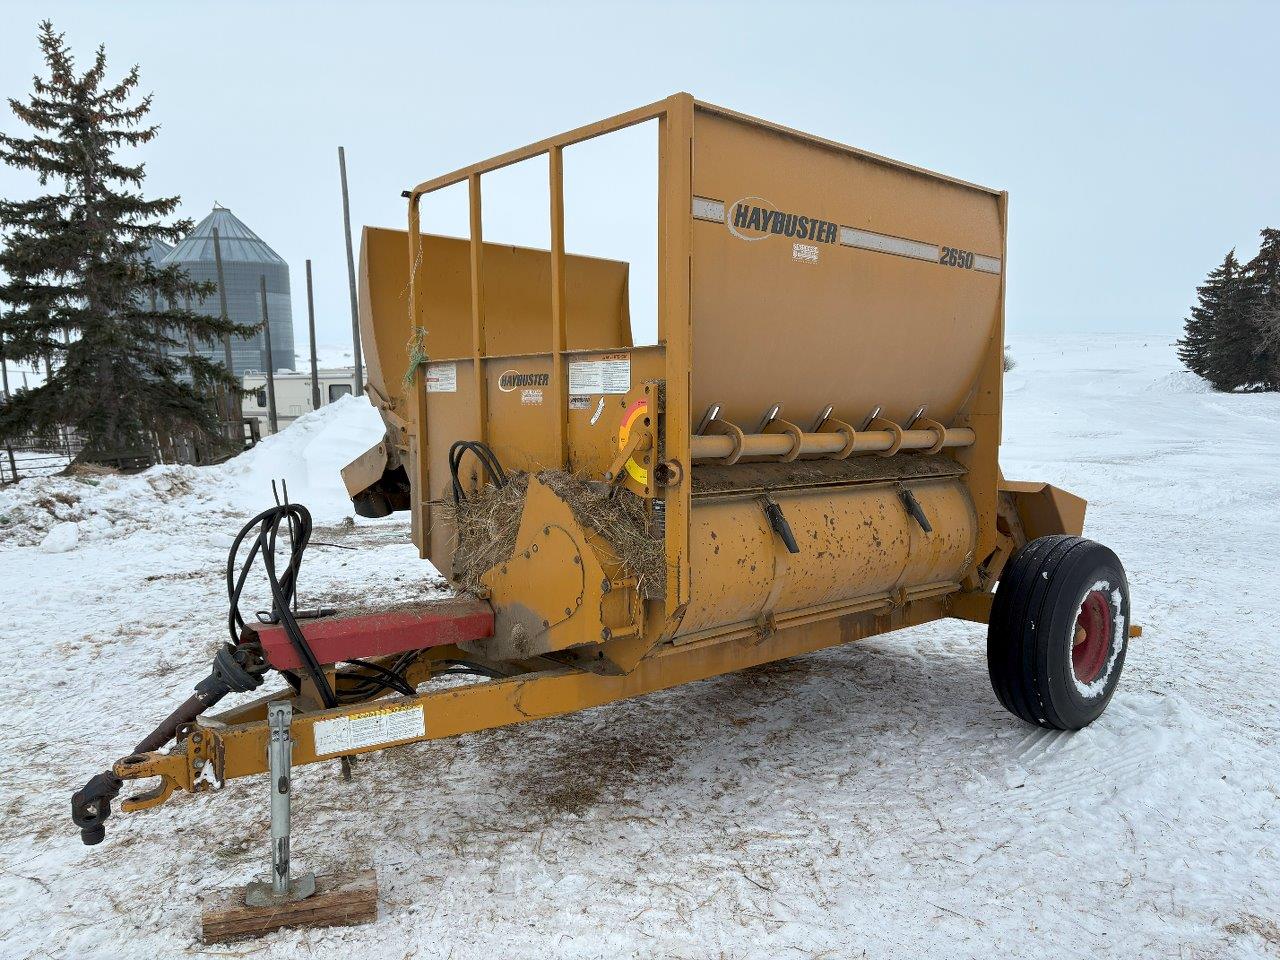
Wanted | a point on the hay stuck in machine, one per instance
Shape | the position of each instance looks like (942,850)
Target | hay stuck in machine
(486,525)
(807,456)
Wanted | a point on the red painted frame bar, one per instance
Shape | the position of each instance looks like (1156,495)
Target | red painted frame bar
(380,634)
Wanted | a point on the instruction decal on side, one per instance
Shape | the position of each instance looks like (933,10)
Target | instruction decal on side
(532,396)
(442,378)
(608,374)
(373,728)
(579,403)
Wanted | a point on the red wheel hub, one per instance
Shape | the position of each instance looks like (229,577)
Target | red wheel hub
(1091,644)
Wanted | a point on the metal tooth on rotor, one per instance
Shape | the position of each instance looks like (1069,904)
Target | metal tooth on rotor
(713,413)
(869,418)
(770,415)
(823,417)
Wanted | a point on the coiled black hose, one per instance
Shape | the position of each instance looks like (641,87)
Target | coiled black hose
(481,452)
(283,586)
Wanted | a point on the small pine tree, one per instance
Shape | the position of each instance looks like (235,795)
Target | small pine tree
(1204,347)
(80,291)
(1260,296)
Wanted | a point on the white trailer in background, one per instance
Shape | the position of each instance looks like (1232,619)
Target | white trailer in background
(293,393)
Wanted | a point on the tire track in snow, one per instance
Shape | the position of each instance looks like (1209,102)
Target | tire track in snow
(1039,744)
(1054,768)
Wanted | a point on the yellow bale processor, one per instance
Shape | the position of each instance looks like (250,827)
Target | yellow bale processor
(806,457)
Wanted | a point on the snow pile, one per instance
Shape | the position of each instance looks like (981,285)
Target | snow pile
(99,507)
(307,455)
(61,538)
(1181,381)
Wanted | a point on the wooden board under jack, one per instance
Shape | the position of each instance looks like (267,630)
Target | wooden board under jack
(340,900)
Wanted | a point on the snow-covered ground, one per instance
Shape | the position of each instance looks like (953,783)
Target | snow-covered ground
(873,800)
(328,356)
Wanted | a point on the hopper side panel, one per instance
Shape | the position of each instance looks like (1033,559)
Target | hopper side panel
(834,323)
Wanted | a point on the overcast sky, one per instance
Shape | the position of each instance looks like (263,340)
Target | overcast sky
(1138,141)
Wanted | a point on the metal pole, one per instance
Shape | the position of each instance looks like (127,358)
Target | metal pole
(280,763)
(159,330)
(311,326)
(271,372)
(351,275)
(226,337)
(66,340)
(4,368)
(191,340)
(4,372)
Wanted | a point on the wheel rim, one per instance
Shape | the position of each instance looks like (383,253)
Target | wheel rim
(1092,640)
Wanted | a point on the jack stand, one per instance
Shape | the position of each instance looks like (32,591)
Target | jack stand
(282,888)
(340,899)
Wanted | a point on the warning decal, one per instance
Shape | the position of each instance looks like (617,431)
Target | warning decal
(442,378)
(608,374)
(369,729)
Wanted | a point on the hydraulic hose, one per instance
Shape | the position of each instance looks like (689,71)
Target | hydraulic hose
(283,586)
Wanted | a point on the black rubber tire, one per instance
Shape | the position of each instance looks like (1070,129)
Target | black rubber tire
(1033,625)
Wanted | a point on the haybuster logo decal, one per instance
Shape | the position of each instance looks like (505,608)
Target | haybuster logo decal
(754,218)
(515,380)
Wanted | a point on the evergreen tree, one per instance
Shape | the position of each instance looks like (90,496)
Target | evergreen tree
(1260,293)
(1207,344)
(80,290)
